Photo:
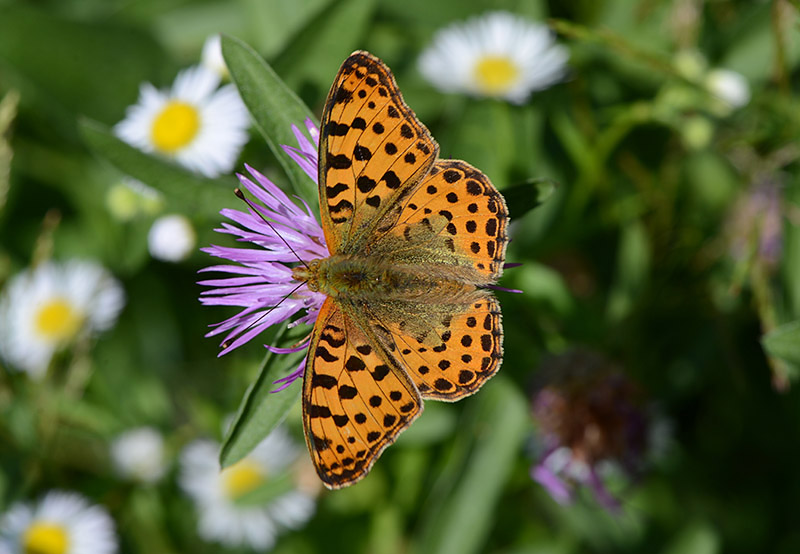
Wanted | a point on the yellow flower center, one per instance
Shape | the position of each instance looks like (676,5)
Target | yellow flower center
(242,477)
(175,127)
(45,538)
(495,74)
(57,320)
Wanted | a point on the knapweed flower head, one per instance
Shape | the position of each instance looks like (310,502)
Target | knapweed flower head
(496,55)
(277,234)
(138,454)
(200,126)
(225,513)
(589,418)
(61,523)
(47,308)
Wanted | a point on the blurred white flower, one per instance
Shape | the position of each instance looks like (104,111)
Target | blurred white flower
(130,198)
(729,86)
(61,523)
(171,238)
(47,308)
(497,55)
(225,514)
(200,126)
(138,454)
(211,57)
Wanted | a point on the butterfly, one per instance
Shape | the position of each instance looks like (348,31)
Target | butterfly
(414,242)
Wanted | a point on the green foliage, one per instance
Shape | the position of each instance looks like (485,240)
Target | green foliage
(275,108)
(261,409)
(638,215)
(184,190)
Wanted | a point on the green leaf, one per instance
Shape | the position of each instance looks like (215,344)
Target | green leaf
(483,135)
(272,24)
(261,411)
(317,51)
(8,111)
(633,266)
(524,197)
(438,425)
(93,68)
(473,477)
(546,286)
(784,342)
(185,191)
(274,107)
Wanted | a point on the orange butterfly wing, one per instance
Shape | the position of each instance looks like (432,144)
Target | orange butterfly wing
(372,152)
(384,196)
(355,398)
(455,216)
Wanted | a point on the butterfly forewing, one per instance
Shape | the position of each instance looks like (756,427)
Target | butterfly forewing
(456,217)
(373,151)
(356,399)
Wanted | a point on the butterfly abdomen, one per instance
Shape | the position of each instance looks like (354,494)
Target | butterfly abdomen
(371,279)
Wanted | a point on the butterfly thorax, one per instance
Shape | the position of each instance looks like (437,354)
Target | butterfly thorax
(374,278)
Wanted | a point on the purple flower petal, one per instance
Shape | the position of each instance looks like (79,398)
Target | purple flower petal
(601,493)
(291,378)
(277,234)
(291,350)
(557,488)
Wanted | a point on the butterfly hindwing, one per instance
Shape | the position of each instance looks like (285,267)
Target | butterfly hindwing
(373,151)
(356,400)
(450,349)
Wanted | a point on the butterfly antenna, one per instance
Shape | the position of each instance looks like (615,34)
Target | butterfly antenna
(239,194)
(228,342)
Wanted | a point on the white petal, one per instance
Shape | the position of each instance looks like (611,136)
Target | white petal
(449,62)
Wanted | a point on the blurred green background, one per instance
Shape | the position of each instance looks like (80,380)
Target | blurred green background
(632,256)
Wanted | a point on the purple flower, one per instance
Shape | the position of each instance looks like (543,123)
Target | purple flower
(277,234)
(590,419)
(755,223)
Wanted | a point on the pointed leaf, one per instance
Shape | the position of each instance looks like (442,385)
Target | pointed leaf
(274,107)
(526,196)
(261,410)
(473,478)
(784,342)
(316,52)
(185,191)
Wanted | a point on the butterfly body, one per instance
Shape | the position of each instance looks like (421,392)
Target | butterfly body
(375,279)
(414,241)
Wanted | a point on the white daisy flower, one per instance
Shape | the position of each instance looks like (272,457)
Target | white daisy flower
(171,238)
(198,125)
(61,523)
(224,513)
(49,307)
(138,454)
(211,57)
(729,86)
(497,55)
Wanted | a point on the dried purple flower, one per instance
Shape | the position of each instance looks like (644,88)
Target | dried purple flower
(588,415)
